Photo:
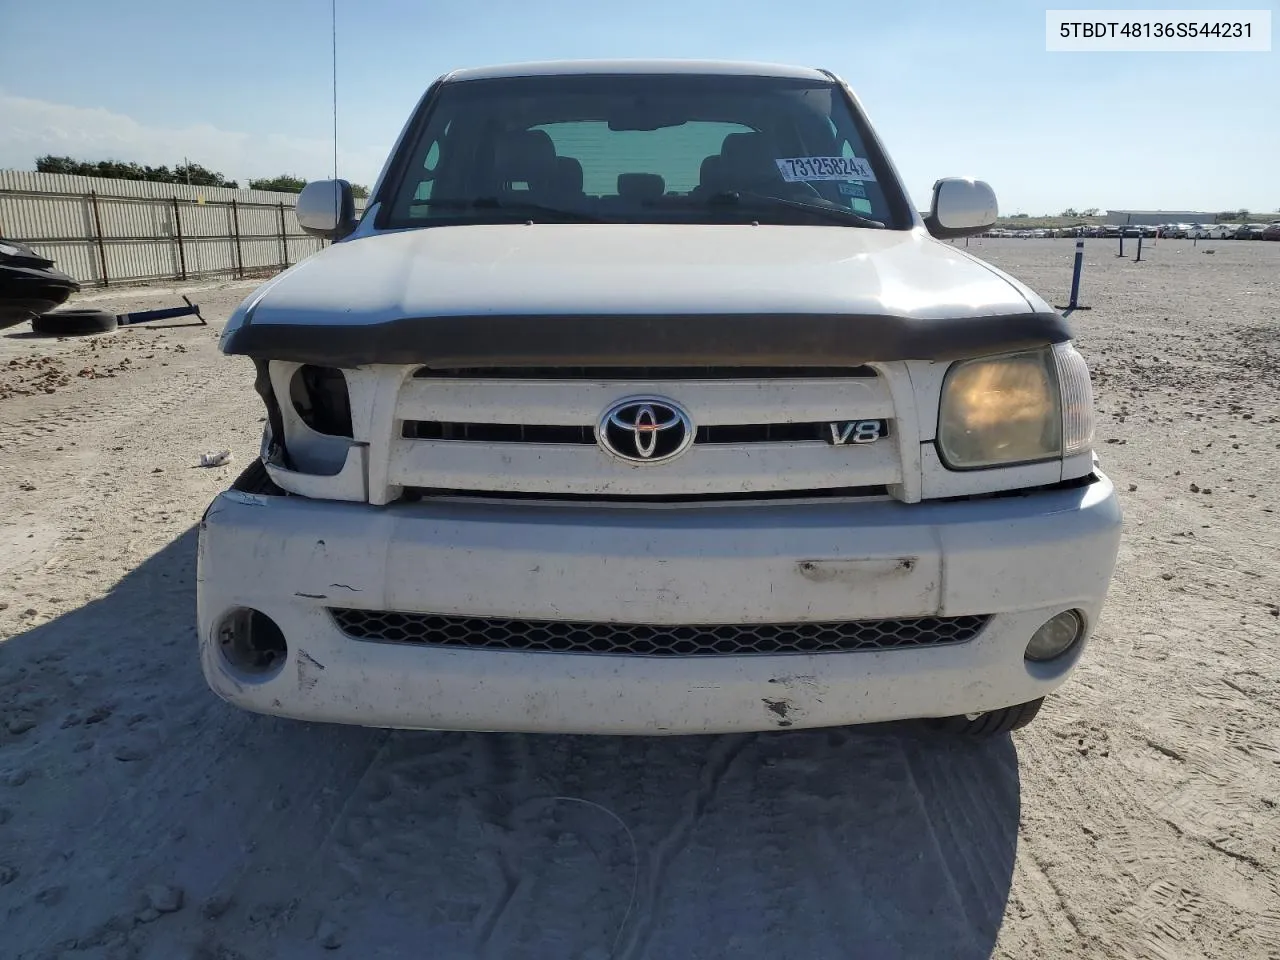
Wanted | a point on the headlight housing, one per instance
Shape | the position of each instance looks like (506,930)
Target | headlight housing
(1077,399)
(1017,408)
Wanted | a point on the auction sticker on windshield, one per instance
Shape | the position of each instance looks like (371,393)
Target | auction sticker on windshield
(825,168)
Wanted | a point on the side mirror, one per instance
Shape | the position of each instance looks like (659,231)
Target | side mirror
(960,207)
(327,209)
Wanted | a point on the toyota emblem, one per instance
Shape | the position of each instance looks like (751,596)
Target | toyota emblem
(645,430)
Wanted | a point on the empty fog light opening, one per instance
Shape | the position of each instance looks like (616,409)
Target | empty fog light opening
(251,643)
(1056,636)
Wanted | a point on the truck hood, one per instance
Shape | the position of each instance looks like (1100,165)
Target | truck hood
(420,280)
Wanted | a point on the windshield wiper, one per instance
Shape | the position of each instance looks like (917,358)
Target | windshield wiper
(743,200)
(515,206)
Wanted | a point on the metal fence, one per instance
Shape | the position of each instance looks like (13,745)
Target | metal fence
(111,231)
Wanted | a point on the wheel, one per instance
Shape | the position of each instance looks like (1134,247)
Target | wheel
(74,323)
(12,314)
(18,304)
(255,479)
(993,723)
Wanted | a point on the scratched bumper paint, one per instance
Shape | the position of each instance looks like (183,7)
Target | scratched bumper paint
(1020,559)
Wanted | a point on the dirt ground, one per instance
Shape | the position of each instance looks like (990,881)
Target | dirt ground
(140,817)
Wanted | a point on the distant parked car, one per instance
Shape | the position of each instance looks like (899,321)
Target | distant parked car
(1178,231)
(1255,230)
(1200,231)
(1222,231)
(1272,231)
(1111,230)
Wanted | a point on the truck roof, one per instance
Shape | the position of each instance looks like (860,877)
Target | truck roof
(580,67)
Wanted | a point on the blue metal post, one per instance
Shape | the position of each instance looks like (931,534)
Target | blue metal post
(1075,273)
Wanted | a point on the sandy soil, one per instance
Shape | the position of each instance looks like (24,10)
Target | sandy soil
(142,818)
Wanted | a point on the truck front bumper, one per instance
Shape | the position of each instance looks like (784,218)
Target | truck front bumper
(1017,559)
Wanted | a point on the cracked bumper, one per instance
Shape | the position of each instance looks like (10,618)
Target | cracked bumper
(1018,559)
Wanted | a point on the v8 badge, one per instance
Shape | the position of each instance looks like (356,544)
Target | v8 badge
(856,431)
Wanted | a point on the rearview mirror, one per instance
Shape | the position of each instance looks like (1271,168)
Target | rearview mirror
(644,114)
(960,207)
(327,209)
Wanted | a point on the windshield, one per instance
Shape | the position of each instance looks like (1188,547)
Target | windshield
(642,149)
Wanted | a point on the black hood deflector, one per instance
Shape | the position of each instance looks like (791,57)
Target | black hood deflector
(802,340)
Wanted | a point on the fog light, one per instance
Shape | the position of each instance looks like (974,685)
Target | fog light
(1055,636)
(251,642)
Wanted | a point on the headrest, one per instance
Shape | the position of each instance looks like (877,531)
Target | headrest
(709,172)
(569,174)
(747,150)
(641,186)
(525,156)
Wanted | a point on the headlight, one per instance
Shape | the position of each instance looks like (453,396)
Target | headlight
(321,397)
(1001,410)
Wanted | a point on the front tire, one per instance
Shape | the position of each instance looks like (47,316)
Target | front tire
(993,723)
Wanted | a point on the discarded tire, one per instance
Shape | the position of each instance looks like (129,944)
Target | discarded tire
(73,323)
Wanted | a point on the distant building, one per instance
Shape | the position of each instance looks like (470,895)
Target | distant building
(1156,217)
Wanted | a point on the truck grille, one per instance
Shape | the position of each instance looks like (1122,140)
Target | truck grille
(585,435)
(643,373)
(653,640)
(531,430)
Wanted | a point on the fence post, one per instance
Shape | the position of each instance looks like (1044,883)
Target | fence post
(177,229)
(1074,302)
(235,226)
(1075,274)
(284,242)
(102,247)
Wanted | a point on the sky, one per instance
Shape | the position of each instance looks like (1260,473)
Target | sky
(245,87)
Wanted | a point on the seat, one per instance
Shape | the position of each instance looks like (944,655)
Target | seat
(709,178)
(525,163)
(569,180)
(640,187)
(747,162)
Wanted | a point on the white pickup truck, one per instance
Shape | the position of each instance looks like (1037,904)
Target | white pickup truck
(642,400)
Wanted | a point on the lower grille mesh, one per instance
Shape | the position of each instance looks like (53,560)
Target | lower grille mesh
(655,640)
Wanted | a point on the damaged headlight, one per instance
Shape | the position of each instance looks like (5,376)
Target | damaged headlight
(322,400)
(1003,410)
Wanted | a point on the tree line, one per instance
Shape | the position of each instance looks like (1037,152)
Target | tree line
(190,173)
